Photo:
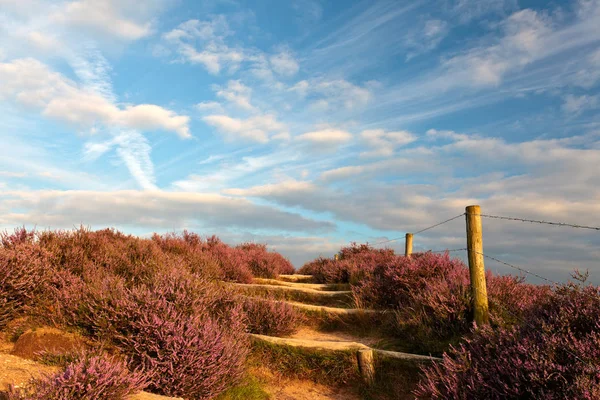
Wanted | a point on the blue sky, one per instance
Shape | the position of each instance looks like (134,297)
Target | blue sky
(306,124)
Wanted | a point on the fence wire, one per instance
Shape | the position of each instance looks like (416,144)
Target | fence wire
(538,221)
(441,223)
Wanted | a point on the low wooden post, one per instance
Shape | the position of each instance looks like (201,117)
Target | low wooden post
(366,365)
(408,245)
(476,265)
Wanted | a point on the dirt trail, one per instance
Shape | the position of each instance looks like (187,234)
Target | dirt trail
(276,282)
(296,288)
(331,310)
(314,335)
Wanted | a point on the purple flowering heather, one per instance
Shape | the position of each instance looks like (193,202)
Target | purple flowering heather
(90,378)
(553,354)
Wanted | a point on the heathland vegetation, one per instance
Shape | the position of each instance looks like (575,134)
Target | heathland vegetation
(174,315)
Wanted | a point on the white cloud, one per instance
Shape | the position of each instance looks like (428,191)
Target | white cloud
(576,105)
(589,74)
(33,84)
(288,187)
(426,38)
(337,93)
(383,144)
(118,18)
(523,42)
(65,209)
(237,93)
(284,64)
(203,42)
(208,43)
(11,174)
(328,136)
(210,106)
(255,129)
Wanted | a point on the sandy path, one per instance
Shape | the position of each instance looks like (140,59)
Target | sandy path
(311,334)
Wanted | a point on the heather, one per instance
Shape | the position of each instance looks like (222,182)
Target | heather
(429,293)
(23,274)
(158,303)
(187,331)
(353,263)
(271,317)
(554,353)
(90,377)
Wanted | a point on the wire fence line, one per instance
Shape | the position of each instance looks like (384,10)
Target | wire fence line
(446,251)
(438,224)
(537,221)
(422,230)
(515,267)
(502,217)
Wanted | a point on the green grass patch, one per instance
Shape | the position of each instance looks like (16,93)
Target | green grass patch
(251,388)
(321,366)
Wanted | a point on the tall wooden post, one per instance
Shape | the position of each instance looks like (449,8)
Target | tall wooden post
(476,266)
(408,245)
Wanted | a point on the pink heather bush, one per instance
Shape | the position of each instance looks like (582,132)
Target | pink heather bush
(186,330)
(262,263)
(195,357)
(554,353)
(270,317)
(23,274)
(135,259)
(92,377)
(355,262)
(432,297)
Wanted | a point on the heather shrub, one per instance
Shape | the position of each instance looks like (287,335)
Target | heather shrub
(270,317)
(554,353)
(187,331)
(431,294)
(355,262)
(135,259)
(510,297)
(233,263)
(264,264)
(23,274)
(192,356)
(90,377)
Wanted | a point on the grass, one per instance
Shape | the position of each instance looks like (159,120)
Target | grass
(360,324)
(394,379)
(342,300)
(251,388)
(326,367)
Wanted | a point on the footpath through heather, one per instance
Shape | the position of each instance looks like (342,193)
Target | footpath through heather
(333,329)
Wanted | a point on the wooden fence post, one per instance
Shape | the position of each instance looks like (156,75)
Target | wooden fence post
(476,265)
(408,245)
(366,365)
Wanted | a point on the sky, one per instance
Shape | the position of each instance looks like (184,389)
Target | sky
(307,124)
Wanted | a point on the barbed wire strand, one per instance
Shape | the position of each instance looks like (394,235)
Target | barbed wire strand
(422,230)
(516,267)
(441,223)
(537,221)
(594,296)
(442,251)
